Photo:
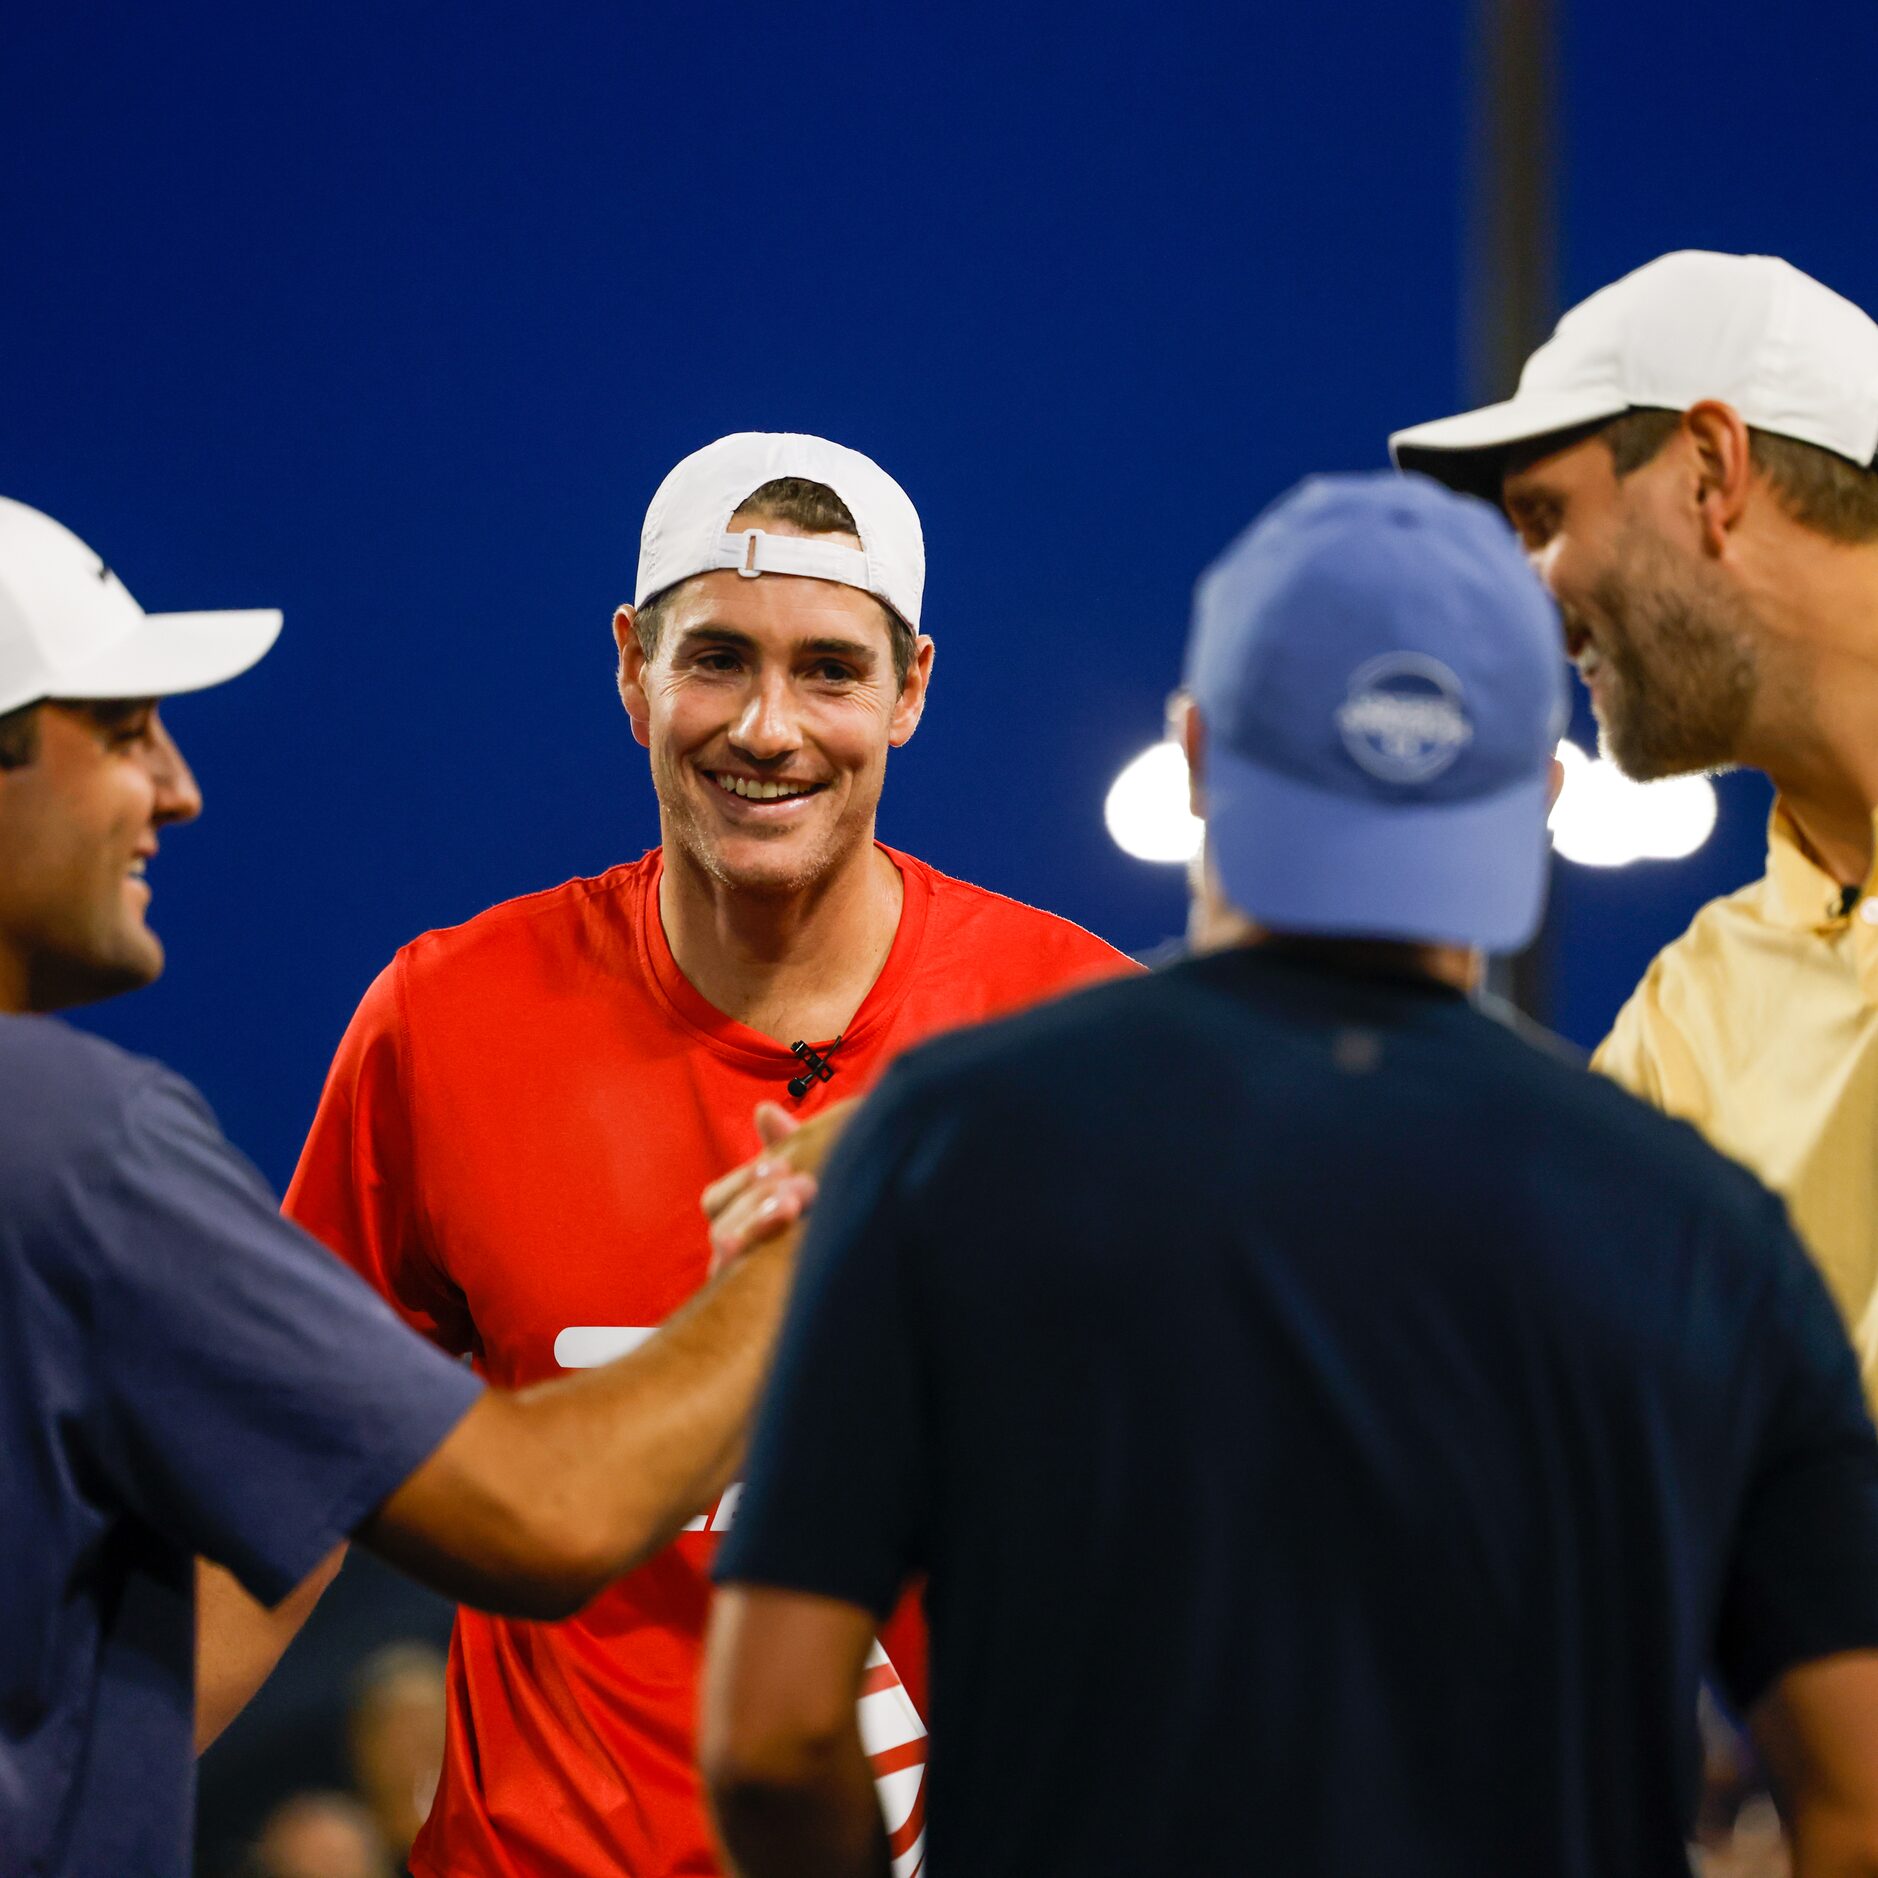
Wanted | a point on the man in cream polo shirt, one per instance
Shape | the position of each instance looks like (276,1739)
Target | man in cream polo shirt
(1690,463)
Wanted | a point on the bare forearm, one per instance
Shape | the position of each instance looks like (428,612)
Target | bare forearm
(1817,1730)
(239,1640)
(644,1443)
(539,1499)
(779,1738)
(1833,1847)
(825,1825)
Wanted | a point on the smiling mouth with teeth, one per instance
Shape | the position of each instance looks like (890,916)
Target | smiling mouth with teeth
(753,791)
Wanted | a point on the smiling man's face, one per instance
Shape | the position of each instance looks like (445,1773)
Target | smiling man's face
(768,709)
(1663,640)
(78,825)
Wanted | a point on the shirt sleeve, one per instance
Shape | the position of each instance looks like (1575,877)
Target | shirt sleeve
(845,1402)
(1648,1054)
(1624,1055)
(253,1400)
(356,1187)
(1802,1581)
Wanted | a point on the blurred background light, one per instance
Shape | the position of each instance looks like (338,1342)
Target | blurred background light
(1147,811)
(1603,819)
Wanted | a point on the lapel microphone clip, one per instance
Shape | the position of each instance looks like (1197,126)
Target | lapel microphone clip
(815,1067)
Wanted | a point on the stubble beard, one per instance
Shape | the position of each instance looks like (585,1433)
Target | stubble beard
(1680,644)
(793,869)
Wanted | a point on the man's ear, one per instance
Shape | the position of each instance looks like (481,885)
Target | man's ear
(632,671)
(1724,458)
(910,706)
(1554,785)
(1187,728)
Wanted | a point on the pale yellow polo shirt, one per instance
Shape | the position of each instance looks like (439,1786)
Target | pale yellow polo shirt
(1760,1026)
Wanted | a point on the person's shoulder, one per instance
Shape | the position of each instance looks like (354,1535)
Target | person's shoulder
(1586,1125)
(1035,945)
(547,921)
(1046,1064)
(1715,930)
(1060,1044)
(65,1092)
(1687,983)
(1528,1030)
(65,1065)
(1045,1080)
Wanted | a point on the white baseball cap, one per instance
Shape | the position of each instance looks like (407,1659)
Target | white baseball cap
(1791,356)
(687,526)
(68,628)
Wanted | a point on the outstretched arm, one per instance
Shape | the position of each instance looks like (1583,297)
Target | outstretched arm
(539,1499)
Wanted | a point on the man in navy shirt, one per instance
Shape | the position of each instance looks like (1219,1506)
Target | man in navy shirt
(182,1372)
(1338,1432)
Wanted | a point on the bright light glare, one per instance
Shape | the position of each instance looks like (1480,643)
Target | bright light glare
(1147,811)
(1603,819)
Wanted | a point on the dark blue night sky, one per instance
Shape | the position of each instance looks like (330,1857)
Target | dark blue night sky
(394,316)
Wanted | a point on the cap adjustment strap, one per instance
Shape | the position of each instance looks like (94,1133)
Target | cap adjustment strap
(754,551)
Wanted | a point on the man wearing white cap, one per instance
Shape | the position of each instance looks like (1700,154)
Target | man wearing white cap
(185,1375)
(1690,461)
(517,1128)
(1348,1436)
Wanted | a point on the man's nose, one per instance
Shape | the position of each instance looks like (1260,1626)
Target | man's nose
(766,727)
(178,795)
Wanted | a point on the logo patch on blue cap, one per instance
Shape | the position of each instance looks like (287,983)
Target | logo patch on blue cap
(1405,717)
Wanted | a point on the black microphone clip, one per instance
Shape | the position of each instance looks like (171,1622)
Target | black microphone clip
(815,1067)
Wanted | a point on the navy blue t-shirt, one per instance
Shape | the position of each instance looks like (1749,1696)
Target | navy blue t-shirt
(181,1372)
(1339,1435)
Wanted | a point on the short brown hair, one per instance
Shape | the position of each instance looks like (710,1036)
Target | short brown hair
(816,510)
(1820,489)
(19,736)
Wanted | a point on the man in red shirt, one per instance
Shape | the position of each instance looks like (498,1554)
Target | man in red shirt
(517,1127)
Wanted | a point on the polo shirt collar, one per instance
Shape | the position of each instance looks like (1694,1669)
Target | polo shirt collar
(1805,896)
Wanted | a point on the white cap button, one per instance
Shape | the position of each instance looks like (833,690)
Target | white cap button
(1868,910)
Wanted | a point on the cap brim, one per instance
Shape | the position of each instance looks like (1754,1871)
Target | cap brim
(1465,452)
(1300,859)
(175,652)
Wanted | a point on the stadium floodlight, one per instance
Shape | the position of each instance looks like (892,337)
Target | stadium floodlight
(1147,811)
(1603,819)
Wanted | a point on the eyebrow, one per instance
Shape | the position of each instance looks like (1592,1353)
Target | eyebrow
(709,634)
(1529,495)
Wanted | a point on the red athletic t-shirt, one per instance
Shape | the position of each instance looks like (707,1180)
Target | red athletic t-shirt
(510,1146)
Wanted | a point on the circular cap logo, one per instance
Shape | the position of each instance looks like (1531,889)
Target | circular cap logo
(1405,718)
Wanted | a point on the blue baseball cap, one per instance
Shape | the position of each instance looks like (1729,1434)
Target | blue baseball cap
(1382,681)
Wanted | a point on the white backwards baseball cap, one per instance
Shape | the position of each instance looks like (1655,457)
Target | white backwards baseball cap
(1791,356)
(68,628)
(687,526)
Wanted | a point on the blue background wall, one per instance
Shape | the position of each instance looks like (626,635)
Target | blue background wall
(393,317)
